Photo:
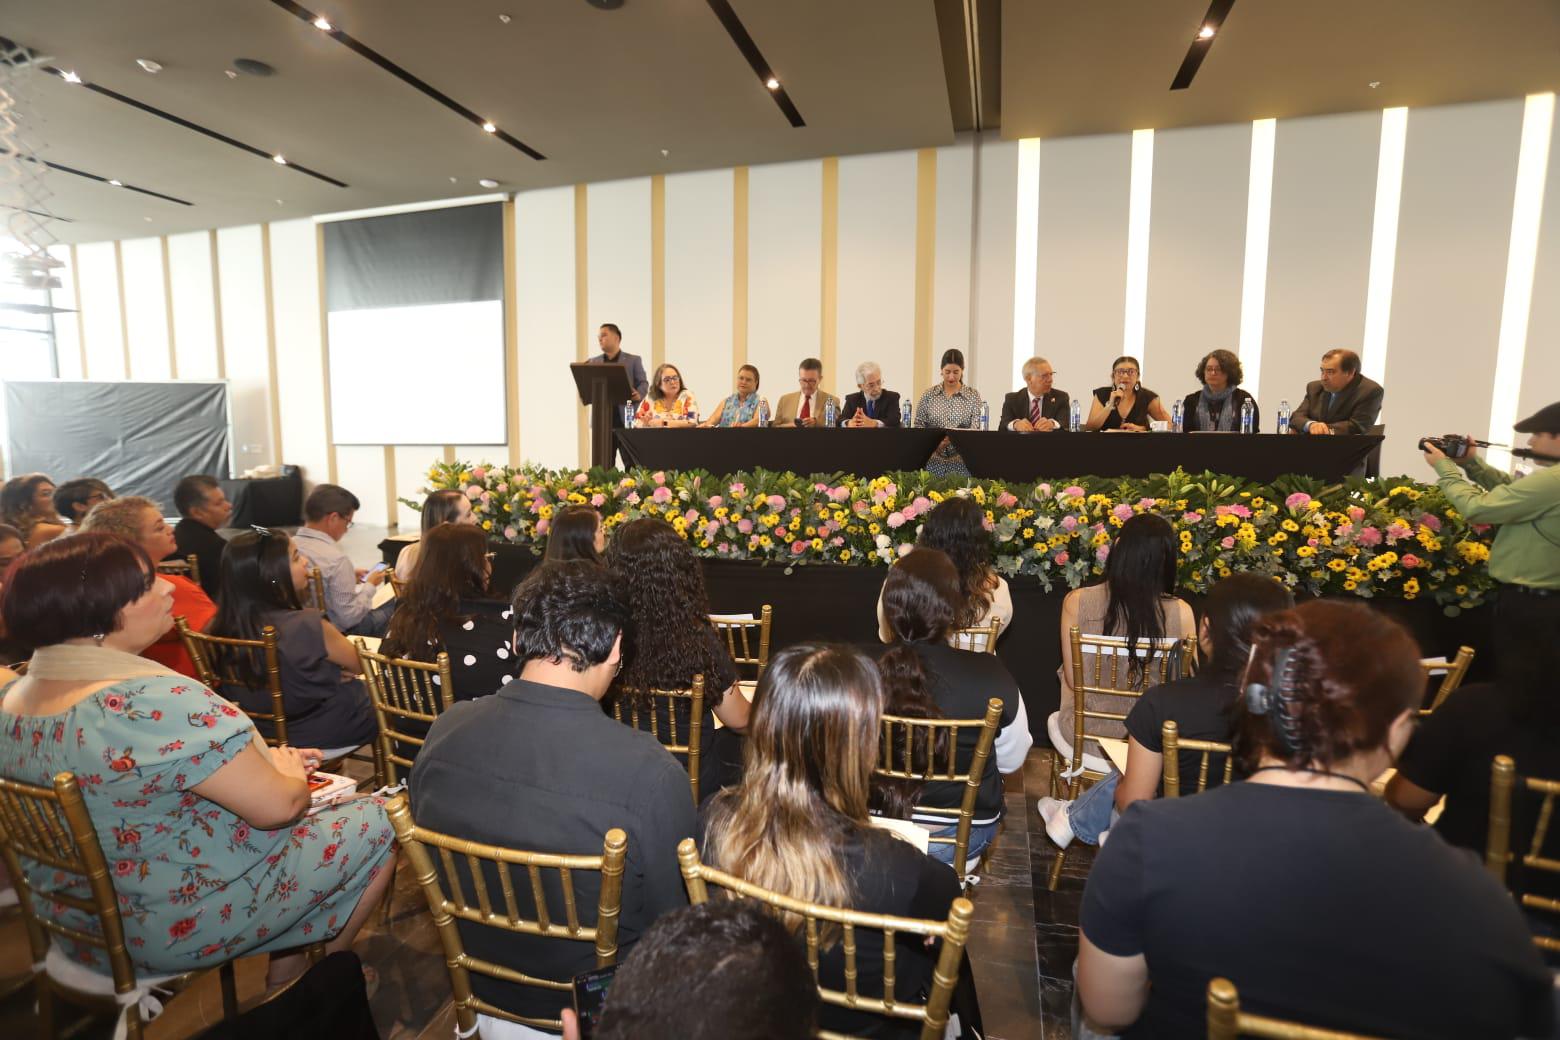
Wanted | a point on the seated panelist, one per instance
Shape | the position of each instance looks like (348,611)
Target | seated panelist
(742,407)
(1038,408)
(805,407)
(668,403)
(1125,404)
(1342,401)
(870,407)
(1218,404)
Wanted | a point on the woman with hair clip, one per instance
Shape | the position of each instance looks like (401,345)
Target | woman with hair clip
(441,507)
(447,608)
(576,533)
(798,823)
(957,528)
(1298,884)
(672,640)
(264,578)
(1200,705)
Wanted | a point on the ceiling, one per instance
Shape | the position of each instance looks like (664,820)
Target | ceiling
(601,93)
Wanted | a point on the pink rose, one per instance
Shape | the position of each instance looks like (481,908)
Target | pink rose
(896,520)
(1122,512)
(1431,521)
(1043,490)
(479,473)
(738,489)
(510,533)
(580,479)
(837,541)
(1298,500)
(502,487)
(1061,558)
(542,526)
(775,502)
(711,529)
(860,507)
(839,494)
(661,495)
(1073,491)
(474,492)
(1227,542)
(1410,561)
(715,501)
(798,547)
(487,498)
(692,516)
(820,488)
(724,547)
(633,498)
(1069,523)
(1370,536)
(909,510)
(1191,518)
(922,503)
(598,500)
(1006,500)
(1396,530)
(659,477)
(745,525)
(1356,513)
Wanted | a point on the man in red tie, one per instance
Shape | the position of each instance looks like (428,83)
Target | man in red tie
(807,406)
(1038,407)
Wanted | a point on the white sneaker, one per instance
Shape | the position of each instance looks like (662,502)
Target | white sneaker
(1057,827)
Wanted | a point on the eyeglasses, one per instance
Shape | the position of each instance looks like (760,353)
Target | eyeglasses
(671,379)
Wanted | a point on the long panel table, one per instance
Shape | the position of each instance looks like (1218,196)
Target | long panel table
(1003,456)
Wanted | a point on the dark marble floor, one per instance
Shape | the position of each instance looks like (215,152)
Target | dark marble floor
(1022,946)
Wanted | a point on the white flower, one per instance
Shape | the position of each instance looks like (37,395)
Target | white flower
(884,541)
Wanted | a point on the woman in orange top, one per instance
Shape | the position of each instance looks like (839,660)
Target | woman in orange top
(138,520)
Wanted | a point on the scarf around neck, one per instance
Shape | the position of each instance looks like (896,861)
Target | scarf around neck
(1226,420)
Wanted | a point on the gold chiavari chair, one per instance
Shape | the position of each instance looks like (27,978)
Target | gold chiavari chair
(404,691)
(980,638)
(1452,674)
(1170,763)
(51,826)
(1101,667)
(1226,1021)
(932,1016)
(747,639)
(527,911)
(908,751)
(647,714)
(1504,781)
(317,589)
(263,651)
(397,586)
(189,567)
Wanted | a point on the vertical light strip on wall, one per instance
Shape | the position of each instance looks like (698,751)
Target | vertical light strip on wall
(273,382)
(173,348)
(392,507)
(511,331)
(1383,241)
(925,264)
(124,308)
(1140,197)
(216,306)
(657,271)
(1026,247)
(829,268)
(81,326)
(739,268)
(1538,116)
(582,340)
(330,433)
(1253,286)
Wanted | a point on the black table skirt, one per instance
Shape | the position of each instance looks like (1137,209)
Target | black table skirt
(864,453)
(838,603)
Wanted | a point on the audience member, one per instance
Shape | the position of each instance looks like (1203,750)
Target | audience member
(139,520)
(205,510)
(1220,402)
(798,823)
(1202,707)
(447,608)
(10,548)
(957,527)
(808,405)
(673,640)
(741,408)
(576,533)
(441,507)
(1126,404)
(927,678)
(541,767)
(349,592)
(668,403)
(950,405)
(264,577)
(871,406)
(1137,601)
(1342,401)
(203,825)
(753,981)
(27,504)
(1301,865)
(74,499)
(1038,408)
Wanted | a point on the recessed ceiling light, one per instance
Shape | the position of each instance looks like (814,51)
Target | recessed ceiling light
(279,202)
(149,65)
(323,24)
(147,219)
(1375,83)
(488,182)
(505,19)
(1205,33)
(452,180)
(772,83)
(69,76)
(665,153)
(117,184)
(229,73)
(279,160)
(489,128)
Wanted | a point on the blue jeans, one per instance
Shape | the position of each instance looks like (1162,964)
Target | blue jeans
(375,622)
(980,836)
(1094,811)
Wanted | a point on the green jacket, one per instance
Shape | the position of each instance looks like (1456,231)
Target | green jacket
(1527,511)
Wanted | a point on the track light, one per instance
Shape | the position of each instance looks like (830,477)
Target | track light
(1205,33)
(772,83)
(70,76)
(279,160)
(489,128)
(323,24)
(117,184)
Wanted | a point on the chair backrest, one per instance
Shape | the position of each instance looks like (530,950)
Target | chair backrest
(645,712)
(747,639)
(317,589)
(933,1015)
(908,751)
(979,638)
(1372,463)
(189,566)
(51,826)
(1102,666)
(1226,1020)
(404,691)
(1504,781)
(1452,674)
(397,586)
(532,916)
(1170,764)
(215,657)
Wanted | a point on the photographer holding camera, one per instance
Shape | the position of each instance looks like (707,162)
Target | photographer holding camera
(1525,558)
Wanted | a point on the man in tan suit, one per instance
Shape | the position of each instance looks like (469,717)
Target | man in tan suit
(806,406)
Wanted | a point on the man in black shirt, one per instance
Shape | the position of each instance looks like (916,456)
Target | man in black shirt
(205,510)
(539,767)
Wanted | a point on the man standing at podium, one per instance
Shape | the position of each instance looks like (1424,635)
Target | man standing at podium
(611,339)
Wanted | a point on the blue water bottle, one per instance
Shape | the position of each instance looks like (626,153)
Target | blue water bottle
(763,411)
(1076,419)
(904,414)
(628,416)
(1283,416)
(1178,417)
(1246,410)
(829,414)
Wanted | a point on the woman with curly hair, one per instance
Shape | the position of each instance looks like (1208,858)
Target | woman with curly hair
(576,533)
(442,507)
(1217,406)
(672,639)
(27,504)
(957,528)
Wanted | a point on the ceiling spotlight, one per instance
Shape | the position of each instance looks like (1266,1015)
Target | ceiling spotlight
(488,182)
(772,83)
(279,202)
(229,73)
(489,128)
(665,153)
(1375,83)
(505,19)
(452,180)
(117,184)
(147,219)
(279,160)
(323,24)
(1205,33)
(154,67)
(69,76)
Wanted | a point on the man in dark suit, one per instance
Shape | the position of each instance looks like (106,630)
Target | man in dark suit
(870,407)
(1038,408)
(205,510)
(1342,401)
(611,339)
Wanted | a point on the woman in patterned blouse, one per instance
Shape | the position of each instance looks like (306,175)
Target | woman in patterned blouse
(669,403)
(741,408)
(950,405)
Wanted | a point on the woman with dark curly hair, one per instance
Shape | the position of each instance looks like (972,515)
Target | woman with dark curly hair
(442,507)
(27,504)
(957,528)
(1217,406)
(577,533)
(672,639)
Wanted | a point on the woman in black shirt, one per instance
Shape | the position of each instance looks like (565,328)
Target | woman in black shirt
(1218,405)
(1126,404)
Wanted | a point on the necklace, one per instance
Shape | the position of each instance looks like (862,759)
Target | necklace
(1319,772)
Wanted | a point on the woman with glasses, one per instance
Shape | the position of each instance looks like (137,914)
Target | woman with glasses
(1125,404)
(447,608)
(668,403)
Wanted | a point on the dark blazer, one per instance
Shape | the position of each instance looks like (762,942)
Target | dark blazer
(194,538)
(885,409)
(1353,411)
(1055,405)
(1236,401)
(636,378)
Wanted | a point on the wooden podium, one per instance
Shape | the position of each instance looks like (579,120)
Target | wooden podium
(604,386)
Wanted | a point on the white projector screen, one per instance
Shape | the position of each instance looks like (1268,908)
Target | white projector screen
(428,374)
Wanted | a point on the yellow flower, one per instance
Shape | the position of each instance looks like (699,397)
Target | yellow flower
(1336,565)
(544,513)
(1027,533)
(1305,550)
(1290,525)
(811,530)
(1462,590)
(1351,585)
(765,541)
(1411,587)
(875,530)
(935,496)
(1278,538)
(720,514)
(844,555)
(817,544)
(879,512)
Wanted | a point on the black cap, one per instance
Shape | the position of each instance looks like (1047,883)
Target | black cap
(1545,420)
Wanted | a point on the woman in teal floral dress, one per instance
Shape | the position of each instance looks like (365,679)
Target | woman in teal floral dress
(202,825)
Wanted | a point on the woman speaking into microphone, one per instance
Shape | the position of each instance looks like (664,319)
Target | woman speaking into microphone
(1126,404)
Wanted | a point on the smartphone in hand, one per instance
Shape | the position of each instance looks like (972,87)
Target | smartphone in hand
(590,996)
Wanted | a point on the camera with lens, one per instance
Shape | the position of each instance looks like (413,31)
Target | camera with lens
(1453,445)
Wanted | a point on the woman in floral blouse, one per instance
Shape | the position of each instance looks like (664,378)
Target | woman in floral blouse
(741,408)
(203,826)
(668,403)
(950,405)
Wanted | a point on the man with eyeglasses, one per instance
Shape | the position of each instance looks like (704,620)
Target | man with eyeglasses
(870,407)
(349,591)
(808,405)
(1342,401)
(1039,407)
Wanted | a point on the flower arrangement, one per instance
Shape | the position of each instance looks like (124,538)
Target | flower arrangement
(1390,538)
